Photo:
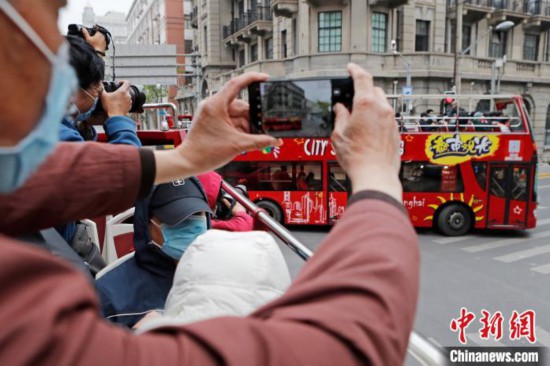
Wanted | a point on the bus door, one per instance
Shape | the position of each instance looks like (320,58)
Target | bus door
(509,192)
(338,187)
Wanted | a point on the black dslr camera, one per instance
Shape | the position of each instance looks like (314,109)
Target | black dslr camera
(138,96)
(76,30)
(222,211)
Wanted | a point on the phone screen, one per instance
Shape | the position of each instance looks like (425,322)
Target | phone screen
(297,108)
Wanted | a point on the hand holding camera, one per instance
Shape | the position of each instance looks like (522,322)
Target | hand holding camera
(117,102)
(98,41)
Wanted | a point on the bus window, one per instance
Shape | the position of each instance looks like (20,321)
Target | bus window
(274,176)
(519,184)
(498,185)
(480,171)
(337,180)
(308,176)
(426,177)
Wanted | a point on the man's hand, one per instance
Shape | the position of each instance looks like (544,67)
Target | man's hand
(97,41)
(217,135)
(366,141)
(119,102)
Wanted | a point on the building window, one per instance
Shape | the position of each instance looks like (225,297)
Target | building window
(531,47)
(268,48)
(283,44)
(422,41)
(497,47)
(466,38)
(254,52)
(547,47)
(330,31)
(547,128)
(379,31)
(205,40)
(242,59)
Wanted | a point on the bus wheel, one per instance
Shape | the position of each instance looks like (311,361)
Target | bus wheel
(272,209)
(454,220)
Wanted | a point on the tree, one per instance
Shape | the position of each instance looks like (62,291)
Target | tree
(155,93)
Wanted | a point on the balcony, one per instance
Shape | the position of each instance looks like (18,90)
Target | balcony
(284,8)
(509,10)
(474,10)
(389,3)
(316,3)
(195,17)
(257,21)
(539,12)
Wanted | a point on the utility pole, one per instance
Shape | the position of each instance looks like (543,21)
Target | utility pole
(458,44)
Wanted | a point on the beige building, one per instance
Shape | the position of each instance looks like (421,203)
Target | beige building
(302,38)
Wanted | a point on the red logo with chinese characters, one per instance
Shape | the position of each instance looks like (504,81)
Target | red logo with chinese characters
(520,325)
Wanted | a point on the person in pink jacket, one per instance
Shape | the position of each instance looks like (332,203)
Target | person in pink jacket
(240,220)
(352,304)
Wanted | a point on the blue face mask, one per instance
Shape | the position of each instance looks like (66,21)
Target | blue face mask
(86,115)
(177,238)
(19,162)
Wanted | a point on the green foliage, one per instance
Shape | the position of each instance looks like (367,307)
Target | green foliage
(155,93)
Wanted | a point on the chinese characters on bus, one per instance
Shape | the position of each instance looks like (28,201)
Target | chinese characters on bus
(457,148)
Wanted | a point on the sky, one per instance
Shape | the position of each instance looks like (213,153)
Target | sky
(72,13)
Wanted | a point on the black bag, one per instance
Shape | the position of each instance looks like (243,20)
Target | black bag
(87,250)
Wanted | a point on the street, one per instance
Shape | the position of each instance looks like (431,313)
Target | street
(502,271)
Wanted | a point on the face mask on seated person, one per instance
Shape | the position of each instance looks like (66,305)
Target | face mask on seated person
(177,238)
(19,162)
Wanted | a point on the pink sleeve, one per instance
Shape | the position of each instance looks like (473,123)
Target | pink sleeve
(353,303)
(78,180)
(240,222)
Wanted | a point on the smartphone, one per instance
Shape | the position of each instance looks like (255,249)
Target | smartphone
(299,107)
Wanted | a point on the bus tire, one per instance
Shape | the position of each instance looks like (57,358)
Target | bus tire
(272,209)
(454,220)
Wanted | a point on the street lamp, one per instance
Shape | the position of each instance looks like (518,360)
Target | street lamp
(501,27)
(409,67)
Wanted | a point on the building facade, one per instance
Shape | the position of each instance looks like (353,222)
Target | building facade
(309,38)
(159,22)
(114,21)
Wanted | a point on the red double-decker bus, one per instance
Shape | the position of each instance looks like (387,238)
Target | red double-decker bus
(470,163)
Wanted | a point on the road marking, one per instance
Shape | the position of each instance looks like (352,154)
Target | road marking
(504,242)
(544,269)
(543,222)
(544,175)
(543,337)
(541,207)
(543,187)
(455,239)
(517,256)
(491,342)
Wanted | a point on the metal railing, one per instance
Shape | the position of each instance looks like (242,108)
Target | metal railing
(537,7)
(261,13)
(419,347)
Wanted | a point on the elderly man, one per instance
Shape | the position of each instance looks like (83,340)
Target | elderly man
(353,303)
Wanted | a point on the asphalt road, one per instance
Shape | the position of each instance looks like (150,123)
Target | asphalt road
(502,271)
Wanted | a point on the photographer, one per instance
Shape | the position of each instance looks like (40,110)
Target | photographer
(353,302)
(230,215)
(90,71)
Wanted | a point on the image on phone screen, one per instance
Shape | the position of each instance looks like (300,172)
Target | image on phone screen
(298,108)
